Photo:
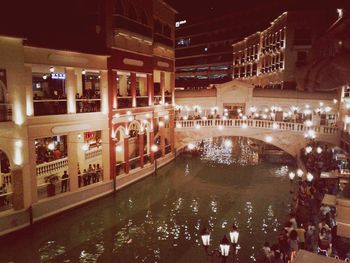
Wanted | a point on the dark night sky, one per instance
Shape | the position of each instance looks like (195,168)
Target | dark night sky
(193,10)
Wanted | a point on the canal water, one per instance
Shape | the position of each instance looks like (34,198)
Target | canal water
(159,218)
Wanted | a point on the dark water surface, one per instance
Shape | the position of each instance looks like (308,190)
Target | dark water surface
(159,219)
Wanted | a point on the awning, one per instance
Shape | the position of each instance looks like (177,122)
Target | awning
(308,257)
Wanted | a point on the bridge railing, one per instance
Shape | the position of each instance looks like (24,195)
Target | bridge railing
(264,124)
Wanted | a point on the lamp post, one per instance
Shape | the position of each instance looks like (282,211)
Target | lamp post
(154,149)
(224,246)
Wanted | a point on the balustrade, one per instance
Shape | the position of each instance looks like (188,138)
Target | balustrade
(264,124)
(93,153)
(47,169)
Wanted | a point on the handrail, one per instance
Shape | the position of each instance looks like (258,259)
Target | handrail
(94,152)
(49,168)
(264,124)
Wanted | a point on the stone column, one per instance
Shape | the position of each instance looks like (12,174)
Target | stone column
(72,141)
(79,75)
(29,91)
(141,146)
(172,130)
(112,90)
(151,142)
(126,154)
(104,91)
(106,154)
(162,86)
(30,171)
(133,88)
(18,190)
(162,136)
(172,87)
(150,89)
(71,83)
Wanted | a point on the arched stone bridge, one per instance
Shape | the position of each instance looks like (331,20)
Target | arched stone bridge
(287,136)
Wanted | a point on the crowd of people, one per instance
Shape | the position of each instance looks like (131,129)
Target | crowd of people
(311,225)
(90,176)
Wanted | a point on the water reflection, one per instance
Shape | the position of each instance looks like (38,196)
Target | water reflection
(159,219)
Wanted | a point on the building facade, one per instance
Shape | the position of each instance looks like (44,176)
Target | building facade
(77,125)
(271,58)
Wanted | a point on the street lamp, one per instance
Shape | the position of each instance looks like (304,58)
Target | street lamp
(154,149)
(291,176)
(300,173)
(224,248)
(234,234)
(225,244)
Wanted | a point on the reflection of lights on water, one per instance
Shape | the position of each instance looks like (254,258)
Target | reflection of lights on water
(220,151)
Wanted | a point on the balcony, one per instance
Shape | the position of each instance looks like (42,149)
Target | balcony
(142,101)
(128,24)
(50,107)
(5,112)
(124,102)
(88,105)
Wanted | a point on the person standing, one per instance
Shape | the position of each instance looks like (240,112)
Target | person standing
(64,183)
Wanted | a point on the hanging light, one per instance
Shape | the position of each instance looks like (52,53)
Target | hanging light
(52,69)
(118,148)
(319,150)
(154,148)
(83,72)
(308,123)
(309,177)
(300,173)
(308,149)
(291,176)
(161,123)
(224,247)
(234,234)
(44,76)
(51,146)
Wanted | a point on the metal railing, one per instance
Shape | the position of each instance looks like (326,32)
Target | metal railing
(50,107)
(53,188)
(5,200)
(88,105)
(90,177)
(263,124)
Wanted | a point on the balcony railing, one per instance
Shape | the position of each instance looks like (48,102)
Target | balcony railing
(263,124)
(5,112)
(50,168)
(93,153)
(132,26)
(124,102)
(142,101)
(88,105)
(50,107)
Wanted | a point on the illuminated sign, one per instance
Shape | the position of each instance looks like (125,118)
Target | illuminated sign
(58,76)
(179,23)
